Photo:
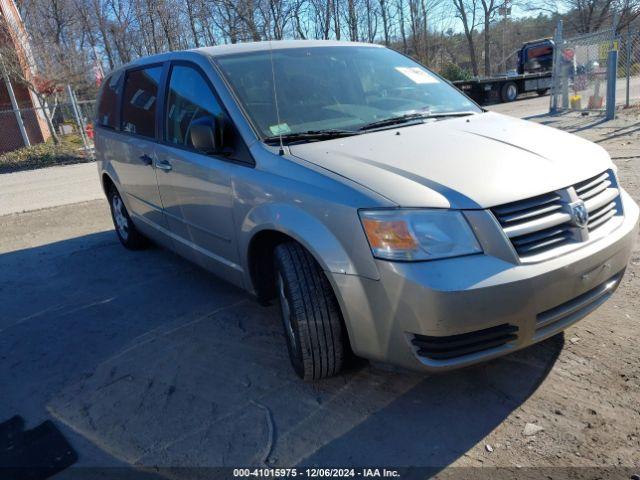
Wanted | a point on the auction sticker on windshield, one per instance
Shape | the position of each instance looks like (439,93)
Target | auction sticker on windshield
(417,75)
(280,129)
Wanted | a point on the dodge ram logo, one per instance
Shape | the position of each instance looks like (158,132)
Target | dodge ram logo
(579,214)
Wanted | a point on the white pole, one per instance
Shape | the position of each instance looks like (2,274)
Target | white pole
(76,113)
(555,70)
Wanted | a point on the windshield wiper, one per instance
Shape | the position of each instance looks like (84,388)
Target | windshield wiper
(310,135)
(409,117)
(448,114)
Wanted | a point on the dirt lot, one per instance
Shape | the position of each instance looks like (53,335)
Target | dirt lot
(143,359)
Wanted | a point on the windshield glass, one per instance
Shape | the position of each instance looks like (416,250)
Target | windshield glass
(326,88)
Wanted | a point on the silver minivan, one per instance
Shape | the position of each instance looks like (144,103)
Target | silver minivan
(389,215)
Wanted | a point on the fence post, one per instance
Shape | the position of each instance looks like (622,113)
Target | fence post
(564,71)
(612,73)
(555,69)
(628,66)
(79,121)
(15,106)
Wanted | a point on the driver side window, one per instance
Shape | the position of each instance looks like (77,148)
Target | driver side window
(190,102)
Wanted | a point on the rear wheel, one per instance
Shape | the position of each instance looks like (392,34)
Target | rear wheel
(543,91)
(127,232)
(311,315)
(509,92)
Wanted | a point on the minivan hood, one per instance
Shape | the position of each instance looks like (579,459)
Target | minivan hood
(467,162)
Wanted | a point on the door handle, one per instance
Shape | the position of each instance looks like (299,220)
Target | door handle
(146,159)
(164,165)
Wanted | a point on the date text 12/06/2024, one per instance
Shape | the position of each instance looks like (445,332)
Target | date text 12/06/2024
(316,473)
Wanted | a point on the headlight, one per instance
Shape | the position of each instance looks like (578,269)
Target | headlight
(418,234)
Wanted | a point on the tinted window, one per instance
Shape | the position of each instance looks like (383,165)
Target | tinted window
(190,102)
(140,100)
(109,101)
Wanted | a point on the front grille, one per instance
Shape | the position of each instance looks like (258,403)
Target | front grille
(560,317)
(543,223)
(453,346)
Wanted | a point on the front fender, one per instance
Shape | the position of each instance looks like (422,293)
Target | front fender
(331,252)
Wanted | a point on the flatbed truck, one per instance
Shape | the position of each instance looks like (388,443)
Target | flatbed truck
(533,74)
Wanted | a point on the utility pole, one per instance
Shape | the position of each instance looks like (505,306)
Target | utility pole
(505,11)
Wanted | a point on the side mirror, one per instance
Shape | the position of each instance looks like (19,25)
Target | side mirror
(206,135)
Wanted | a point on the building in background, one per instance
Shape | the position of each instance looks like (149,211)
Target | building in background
(28,125)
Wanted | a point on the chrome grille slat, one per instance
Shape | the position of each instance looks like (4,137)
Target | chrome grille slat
(545,222)
(600,221)
(525,204)
(515,217)
(587,184)
(542,235)
(597,213)
(601,199)
(594,191)
(543,244)
(557,218)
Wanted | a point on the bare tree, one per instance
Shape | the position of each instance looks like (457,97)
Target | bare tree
(489,10)
(384,14)
(467,12)
(403,34)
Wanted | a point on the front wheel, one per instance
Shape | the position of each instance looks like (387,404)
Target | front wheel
(311,315)
(509,92)
(127,232)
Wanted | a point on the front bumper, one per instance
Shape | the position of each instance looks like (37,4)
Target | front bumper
(419,302)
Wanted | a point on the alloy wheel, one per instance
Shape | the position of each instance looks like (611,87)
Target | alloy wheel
(120,216)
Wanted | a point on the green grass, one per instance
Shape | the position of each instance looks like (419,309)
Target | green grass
(45,154)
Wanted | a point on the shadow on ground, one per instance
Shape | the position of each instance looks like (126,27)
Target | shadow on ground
(159,363)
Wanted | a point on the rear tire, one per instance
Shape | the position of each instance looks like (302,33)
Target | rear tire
(311,315)
(543,92)
(127,232)
(509,92)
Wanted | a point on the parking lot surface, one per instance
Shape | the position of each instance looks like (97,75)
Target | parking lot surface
(143,359)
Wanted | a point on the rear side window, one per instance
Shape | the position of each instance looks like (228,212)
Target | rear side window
(190,102)
(109,101)
(139,101)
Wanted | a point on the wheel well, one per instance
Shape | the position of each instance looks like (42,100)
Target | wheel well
(260,261)
(107,183)
(262,270)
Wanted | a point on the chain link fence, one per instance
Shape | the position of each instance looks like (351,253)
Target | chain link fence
(581,71)
(629,68)
(596,72)
(60,133)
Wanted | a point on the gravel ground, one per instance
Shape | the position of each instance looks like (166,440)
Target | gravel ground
(143,359)
(589,404)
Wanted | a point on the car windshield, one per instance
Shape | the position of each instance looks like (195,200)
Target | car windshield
(335,88)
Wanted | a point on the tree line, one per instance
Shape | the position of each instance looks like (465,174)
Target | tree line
(69,39)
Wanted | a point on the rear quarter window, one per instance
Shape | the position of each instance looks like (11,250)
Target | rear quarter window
(139,101)
(108,102)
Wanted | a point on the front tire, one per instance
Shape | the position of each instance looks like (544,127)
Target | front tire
(509,92)
(127,232)
(311,315)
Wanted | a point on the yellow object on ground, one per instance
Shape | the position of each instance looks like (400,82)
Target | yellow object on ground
(576,102)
